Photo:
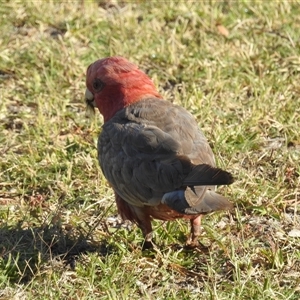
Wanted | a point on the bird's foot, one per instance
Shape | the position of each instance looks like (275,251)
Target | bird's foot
(192,242)
(148,245)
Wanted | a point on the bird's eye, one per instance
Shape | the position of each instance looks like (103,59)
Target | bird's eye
(98,85)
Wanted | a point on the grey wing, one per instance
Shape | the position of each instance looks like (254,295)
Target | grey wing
(145,150)
(178,123)
(140,163)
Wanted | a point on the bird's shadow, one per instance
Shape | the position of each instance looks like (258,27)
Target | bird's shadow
(24,250)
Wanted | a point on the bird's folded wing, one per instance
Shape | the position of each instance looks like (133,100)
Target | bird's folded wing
(142,164)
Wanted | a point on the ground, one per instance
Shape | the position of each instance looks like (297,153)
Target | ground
(234,65)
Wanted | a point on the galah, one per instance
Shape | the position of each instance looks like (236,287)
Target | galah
(152,152)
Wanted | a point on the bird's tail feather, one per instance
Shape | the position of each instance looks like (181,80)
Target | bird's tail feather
(207,175)
(194,201)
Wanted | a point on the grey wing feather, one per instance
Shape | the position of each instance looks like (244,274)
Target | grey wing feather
(147,149)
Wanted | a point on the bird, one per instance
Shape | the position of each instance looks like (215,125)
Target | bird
(151,151)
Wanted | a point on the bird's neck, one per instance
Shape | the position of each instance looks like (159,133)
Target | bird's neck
(118,98)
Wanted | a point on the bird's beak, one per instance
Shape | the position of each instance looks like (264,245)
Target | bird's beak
(89,100)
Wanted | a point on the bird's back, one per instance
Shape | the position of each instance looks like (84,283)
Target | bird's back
(139,149)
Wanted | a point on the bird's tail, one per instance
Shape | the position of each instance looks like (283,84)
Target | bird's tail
(207,175)
(196,196)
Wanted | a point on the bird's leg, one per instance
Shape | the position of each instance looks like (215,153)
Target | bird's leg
(143,220)
(195,232)
(147,233)
(138,215)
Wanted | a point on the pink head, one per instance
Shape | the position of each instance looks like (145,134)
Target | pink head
(114,83)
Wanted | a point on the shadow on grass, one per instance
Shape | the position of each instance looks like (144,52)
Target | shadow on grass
(23,252)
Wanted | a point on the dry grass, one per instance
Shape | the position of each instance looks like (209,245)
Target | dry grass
(234,65)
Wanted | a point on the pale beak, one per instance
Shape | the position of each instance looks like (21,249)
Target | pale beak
(89,100)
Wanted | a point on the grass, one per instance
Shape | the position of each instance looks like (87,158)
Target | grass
(234,65)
